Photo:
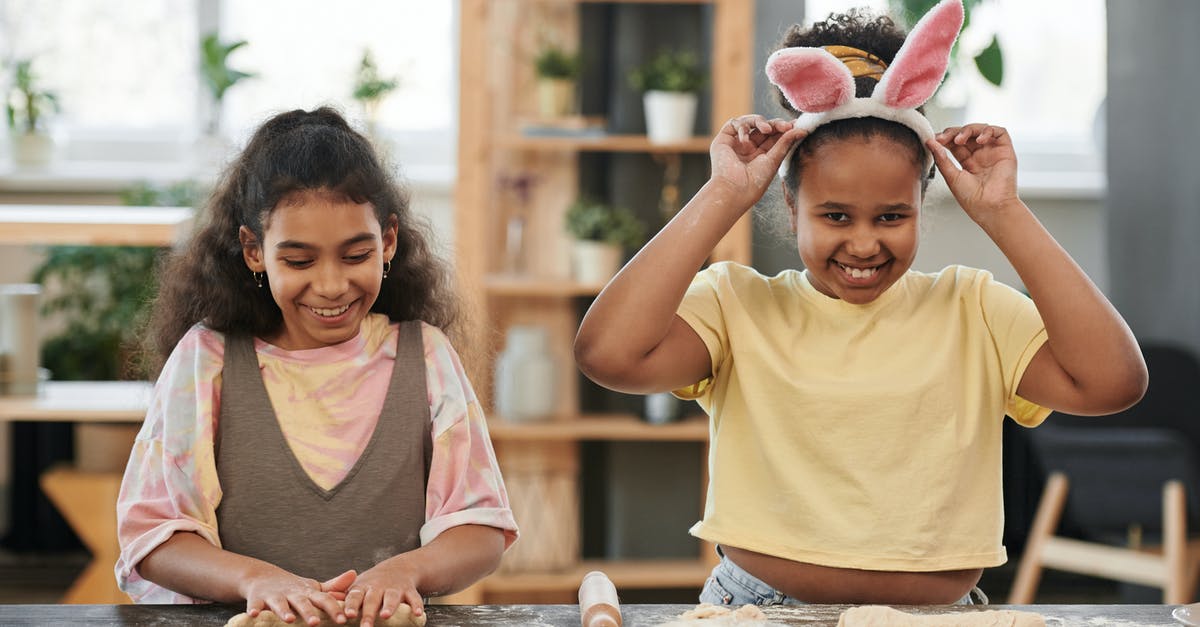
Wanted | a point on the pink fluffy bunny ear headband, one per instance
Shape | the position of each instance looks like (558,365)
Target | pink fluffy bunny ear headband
(821,85)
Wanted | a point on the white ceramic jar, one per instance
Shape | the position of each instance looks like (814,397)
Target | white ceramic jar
(525,375)
(19,338)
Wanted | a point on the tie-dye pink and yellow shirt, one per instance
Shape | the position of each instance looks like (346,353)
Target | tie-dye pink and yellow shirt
(327,401)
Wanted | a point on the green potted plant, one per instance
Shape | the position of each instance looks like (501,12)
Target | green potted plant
(218,76)
(99,294)
(670,82)
(602,232)
(557,70)
(371,88)
(27,106)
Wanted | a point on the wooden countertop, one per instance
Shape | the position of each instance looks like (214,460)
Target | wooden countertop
(81,401)
(559,615)
(84,225)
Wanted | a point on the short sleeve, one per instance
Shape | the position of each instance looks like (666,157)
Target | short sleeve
(702,311)
(1018,332)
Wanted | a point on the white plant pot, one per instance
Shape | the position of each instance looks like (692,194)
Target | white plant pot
(670,116)
(556,97)
(32,150)
(594,262)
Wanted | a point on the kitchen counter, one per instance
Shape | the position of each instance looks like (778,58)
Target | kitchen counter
(558,615)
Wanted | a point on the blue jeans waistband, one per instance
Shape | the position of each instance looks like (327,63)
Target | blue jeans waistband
(729,584)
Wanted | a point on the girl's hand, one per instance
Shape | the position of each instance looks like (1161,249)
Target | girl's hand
(379,591)
(987,180)
(746,154)
(337,586)
(289,596)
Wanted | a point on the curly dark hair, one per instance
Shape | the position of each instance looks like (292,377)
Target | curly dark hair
(208,281)
(876,34)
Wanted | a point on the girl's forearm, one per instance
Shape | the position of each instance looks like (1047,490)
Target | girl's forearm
(634,312)
(457,558)
(190,565)
(1088,337)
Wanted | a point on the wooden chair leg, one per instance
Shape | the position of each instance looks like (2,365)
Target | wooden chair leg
(1193,568)
(1176,588)
(1049,511)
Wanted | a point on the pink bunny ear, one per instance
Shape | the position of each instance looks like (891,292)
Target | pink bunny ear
(811,79)
(921,63)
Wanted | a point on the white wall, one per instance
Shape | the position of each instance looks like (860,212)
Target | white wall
(951,237)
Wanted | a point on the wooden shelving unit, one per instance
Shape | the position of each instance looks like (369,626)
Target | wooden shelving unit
(606,427)
(606,143)
(541,460)
(534,287)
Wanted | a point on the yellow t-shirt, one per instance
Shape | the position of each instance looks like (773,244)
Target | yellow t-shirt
(861,436)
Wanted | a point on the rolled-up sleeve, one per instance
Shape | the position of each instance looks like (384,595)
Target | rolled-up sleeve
(170,482)
(465,485)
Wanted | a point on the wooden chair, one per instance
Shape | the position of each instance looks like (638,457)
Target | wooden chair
(1119,479)
(1174,568)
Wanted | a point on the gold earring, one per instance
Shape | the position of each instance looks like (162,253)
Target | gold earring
(258,278)
(387,267)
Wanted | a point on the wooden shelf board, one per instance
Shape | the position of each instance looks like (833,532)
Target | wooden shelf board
(625,574)
(85,225)
(607,143)
(513,285)
(600,427)
(645,1)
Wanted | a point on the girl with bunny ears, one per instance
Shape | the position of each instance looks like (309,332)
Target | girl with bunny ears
(856,406)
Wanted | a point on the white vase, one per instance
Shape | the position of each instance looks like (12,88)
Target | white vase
(594,262)
(670,116)
(32,150)
(662,407)
(525,375)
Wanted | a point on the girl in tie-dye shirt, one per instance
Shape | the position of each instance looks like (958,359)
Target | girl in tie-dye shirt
(312,270)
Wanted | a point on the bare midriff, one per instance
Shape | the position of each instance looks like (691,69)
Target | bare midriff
(812,583)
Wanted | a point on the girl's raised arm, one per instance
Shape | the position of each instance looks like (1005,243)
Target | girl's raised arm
(630,339)
(1090,363)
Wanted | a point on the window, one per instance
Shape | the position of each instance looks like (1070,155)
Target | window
(127,79)
(1054,76)
(306,53)
(120,69)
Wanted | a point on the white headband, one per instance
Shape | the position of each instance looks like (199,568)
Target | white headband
(820,85)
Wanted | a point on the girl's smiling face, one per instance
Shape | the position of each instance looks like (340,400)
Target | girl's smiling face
(856,215)
(323,255)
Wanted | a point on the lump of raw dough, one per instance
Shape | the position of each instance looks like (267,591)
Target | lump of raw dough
(708,610)
(705,610)
(881,616)
(749,612)
(266,618)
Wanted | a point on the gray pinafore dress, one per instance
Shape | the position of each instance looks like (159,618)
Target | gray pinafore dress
(272,510)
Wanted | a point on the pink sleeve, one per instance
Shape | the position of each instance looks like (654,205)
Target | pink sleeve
(170,483)
(465,486)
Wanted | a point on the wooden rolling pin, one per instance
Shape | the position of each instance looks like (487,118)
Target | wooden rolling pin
(598,605)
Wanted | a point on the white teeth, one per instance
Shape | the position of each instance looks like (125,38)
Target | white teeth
(329,313)
(859,273)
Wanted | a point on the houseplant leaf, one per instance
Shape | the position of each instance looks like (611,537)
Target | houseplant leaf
(990,62)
